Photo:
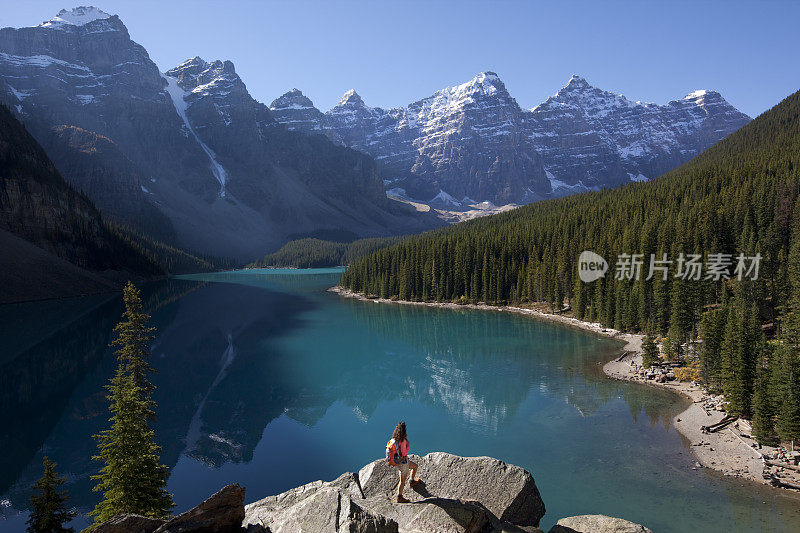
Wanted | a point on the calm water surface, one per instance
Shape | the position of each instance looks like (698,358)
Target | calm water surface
(266,379)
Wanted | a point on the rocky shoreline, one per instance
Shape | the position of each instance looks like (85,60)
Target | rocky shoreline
(730,451)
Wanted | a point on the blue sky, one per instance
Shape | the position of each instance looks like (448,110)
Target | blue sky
(394,52)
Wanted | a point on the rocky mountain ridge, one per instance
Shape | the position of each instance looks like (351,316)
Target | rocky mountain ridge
(473,143)
(222,175)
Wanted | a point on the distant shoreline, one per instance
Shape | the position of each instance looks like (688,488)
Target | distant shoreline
(727,451)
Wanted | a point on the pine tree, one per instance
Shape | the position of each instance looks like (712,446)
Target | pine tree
(712,329)
(729,363)
(48,505)
(788,371)
(134,338)
(741,348)
(132,479)
(763,406)
(579,299)
(673,346)
(649,349)
(789,415)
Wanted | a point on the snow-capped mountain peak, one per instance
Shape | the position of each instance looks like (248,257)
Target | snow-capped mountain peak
(351,98)
(580,94)
(704,97)
(485,83)
(77,16)
(297,111)
(577,82)
(200,77)
(694,95)
(193,62)
(294,99)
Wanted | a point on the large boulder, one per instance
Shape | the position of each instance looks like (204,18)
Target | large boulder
(223,512)
(317,506)
(596,523)
(458,494)
(129,523)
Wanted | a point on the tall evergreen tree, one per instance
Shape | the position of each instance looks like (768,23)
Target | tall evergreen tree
(789,414)
(763,406)
(132,479)
(788,360)
(649,349)
(741,348)
(712,330)
(48,504)
(673,345)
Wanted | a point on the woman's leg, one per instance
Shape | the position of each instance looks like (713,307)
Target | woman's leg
(403,476)
(413,466)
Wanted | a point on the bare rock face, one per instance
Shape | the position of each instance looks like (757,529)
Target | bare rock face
(221,513)
(297,112)
(458,494)
(596,523)
(129,523)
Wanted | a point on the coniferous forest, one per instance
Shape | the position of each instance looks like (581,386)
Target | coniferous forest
(318,253)
(740,197)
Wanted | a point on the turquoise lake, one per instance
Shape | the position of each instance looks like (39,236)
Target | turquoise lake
(268,380)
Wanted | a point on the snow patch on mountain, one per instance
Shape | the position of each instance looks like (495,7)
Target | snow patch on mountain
(445,199)
(42,61)
(398,192)
(21,95)
(695,94)
(562,188)
(556,183)
(78,16)
(351,97)
(178,97)
(296,107)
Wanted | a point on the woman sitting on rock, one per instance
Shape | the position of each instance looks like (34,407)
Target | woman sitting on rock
(397,456)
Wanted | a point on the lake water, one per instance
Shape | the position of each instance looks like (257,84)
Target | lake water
(266,379)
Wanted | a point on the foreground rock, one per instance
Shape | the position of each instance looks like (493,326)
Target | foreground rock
(596,523)
(129,523)
(221,513)
(458,494)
